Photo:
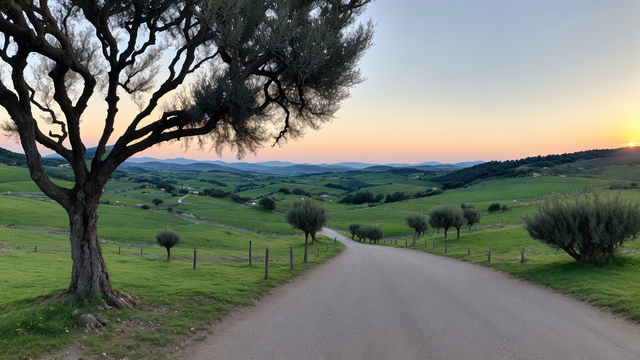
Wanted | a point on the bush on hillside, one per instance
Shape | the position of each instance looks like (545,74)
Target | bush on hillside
(588,227)
(268,203)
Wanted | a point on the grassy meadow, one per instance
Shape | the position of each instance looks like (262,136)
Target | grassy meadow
(179,302)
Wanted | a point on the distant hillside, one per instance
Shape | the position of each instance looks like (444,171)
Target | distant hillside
(513,168)
(15,159)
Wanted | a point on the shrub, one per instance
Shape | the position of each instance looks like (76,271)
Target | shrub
(299,191)
(157,201)
(268,203)
(168,238)
(505,208)
(590,227)
(396,196)
(494,207)
(144,207)
(633,184)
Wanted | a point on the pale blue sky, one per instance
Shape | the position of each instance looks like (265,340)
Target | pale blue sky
(457,80)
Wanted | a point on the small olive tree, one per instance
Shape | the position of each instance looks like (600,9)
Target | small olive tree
(446,216)
(308,216)
(588,227)
(371,232)
(375,233)
(353,229)
(471,215)
(168,238)
(419,223)
(157,201)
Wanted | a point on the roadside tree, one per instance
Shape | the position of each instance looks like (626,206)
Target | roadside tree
(445,217)
(308,216)
(418,222)
(371,232)
(376,233)
(588,227)
(214,73)
(168,238)
(353,229)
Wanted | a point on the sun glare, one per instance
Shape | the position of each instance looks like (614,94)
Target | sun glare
(632,144)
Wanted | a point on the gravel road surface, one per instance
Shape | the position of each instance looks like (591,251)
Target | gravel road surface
(373,302)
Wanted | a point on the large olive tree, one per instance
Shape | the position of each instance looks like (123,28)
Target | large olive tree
(588,226)
(220,73)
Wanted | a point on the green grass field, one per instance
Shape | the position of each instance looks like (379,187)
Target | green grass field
(177,298)
(189,298)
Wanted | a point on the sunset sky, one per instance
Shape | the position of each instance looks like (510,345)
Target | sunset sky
(467,80)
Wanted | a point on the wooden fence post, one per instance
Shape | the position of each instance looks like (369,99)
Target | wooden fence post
(249,253)
(306,247)
(522,256)
(446,247)
(140,251)
(405,242)
(396,242)
(425,243)
(195,249)
(36,249)
(327,246)
(489,254)
(469,251)
(291,256)
(318,254)
(434,244)
(334,242)
(118,250)
(266,264)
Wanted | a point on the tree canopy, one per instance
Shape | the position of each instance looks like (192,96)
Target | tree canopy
(353,229)
(588,227)
(471,215)
(308,216)
(268,203)
(418,222)
(218,74)
(446,216)
(168,238)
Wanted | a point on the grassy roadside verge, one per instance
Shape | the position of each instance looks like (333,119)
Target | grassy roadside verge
(178,302)
(615,285)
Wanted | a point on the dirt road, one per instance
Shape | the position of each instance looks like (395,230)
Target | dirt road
(375,302)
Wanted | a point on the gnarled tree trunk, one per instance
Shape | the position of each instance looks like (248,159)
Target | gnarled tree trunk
(89,275)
